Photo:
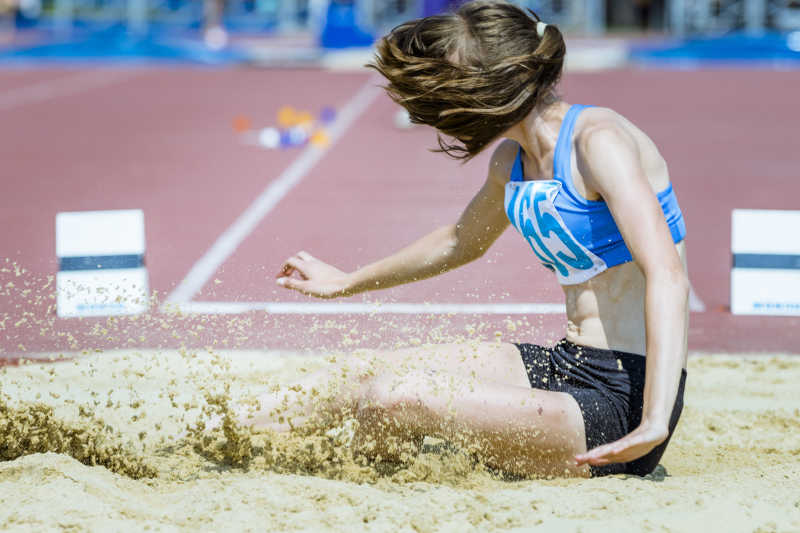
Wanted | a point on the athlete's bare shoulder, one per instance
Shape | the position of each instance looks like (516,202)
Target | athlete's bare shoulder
(502,161)
(604,122)
(600,121)
(604,128)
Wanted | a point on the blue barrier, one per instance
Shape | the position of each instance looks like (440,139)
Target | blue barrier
(735,48)
(171,41)
(341,30)
(117,45)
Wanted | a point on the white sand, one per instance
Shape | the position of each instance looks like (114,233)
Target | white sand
(733,465)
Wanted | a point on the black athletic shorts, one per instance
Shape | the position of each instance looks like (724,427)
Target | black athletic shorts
(609,388)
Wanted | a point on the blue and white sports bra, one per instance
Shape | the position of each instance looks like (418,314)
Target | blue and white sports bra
(575,237)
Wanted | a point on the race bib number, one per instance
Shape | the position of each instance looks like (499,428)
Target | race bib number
(529,206)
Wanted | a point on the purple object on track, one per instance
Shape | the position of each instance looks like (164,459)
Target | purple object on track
(327,115)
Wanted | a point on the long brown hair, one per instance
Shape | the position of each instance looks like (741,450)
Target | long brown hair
(471,74)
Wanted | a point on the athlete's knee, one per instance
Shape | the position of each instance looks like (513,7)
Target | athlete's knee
(391,393)
(355,369)
(400,361)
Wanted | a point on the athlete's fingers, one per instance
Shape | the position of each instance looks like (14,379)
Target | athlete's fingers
(601,454)
(288,266)
(623,450)
(298,265)
(285,270)
(292,283)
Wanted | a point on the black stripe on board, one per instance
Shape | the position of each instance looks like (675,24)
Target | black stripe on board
(99,262)
(776,261)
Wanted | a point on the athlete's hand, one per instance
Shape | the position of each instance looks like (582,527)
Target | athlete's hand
(315,277)
(635,444)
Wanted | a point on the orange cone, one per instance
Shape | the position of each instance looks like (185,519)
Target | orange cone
(241,124)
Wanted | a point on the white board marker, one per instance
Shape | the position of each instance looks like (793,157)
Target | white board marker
(101,269)
(765,278)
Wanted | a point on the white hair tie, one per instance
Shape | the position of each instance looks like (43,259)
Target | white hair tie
(540,27)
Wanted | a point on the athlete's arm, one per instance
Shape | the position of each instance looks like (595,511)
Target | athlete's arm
(441,250)
(610,163)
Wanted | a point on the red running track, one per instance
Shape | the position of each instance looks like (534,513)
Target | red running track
(161,140)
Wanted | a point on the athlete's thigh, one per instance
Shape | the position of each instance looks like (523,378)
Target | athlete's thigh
(498,362)
(519,429)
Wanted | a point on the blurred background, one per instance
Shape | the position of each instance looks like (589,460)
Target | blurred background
(242,131)
(281,31)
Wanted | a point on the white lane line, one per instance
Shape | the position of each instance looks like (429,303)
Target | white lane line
(227,243)
(45,90)
(346,308)
(695,303)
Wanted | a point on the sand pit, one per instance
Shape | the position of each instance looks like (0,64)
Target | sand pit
(733,464)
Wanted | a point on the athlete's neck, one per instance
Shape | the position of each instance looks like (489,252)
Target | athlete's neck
(537,133)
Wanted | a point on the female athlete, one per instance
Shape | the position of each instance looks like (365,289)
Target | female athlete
(591,195)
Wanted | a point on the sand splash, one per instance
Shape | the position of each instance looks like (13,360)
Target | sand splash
(321,447)
(34,428)
(733,460)
(122,438)
(43,411)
